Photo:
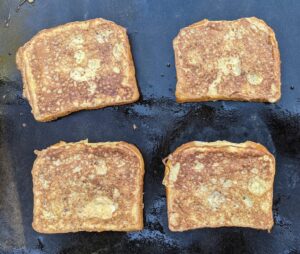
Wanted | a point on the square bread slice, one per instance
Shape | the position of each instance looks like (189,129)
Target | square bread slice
(76,66)
(219,184)
(88,187)
(227,60)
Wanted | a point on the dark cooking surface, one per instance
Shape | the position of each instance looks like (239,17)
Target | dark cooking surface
(162,125)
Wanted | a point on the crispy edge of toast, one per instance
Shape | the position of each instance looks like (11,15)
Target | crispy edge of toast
(217,144)
(182,97)
(126,146)
(29,81)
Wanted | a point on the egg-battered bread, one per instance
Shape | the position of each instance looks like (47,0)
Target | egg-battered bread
(88,187)
(227,60)
(219,184)
(76,66)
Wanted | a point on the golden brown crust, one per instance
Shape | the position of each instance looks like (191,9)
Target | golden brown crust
(219,60)
(87,66)
(88,187)
(219,184)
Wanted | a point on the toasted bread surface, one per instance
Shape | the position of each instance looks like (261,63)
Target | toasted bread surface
(227,60)
(76,66)
(219,184)
(88,187)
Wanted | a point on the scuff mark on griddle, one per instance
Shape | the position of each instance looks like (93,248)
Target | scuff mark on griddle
(40,244)
(11,92)
(152,219)
(285,127)
(7,20)
(282,221)
(279,220)
(11,223)
(153,107)
(229,242)
(22,2)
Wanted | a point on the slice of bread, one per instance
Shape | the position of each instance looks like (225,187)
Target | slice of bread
(220,184)
(88,187)
(227,60)
(76,66)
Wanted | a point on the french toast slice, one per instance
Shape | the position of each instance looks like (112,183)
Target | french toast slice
(219,184)
(88,187)
(227,60)
(76,66)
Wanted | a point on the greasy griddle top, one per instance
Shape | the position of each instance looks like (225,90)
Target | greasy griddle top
(156,124)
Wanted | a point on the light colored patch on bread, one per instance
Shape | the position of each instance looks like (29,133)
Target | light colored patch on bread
(100,207)
(254,79)
(86,74)
(174,172)
(258,186)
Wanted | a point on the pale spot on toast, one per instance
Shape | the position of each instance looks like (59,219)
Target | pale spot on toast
(103,36)
(234,34)
(194,57)
(116,193)
(254,79)
(101,207)
(227,183)
(94,64)
(85,74)
(77,169)
(265,206)
(77,41)
(213,180)
(230,65)
(248,201)
(230,35)
(47,215)
(201,191)
(257,186)
(216,199)
(256,25)
(92,86)
(174,171)
(75,103)
(173,219)
(118,50)
(274,92)
(198,167)
(212,89)
(254,170)
(101,167)
(45,184)
(116,70)
(57,162)
(226,66)
(215,164)
(79,56)
(235,220)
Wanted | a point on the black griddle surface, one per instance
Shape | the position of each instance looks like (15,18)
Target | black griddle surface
(161,123)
